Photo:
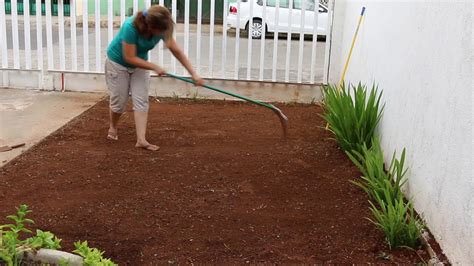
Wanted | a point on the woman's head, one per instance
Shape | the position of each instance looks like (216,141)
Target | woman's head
(156,20)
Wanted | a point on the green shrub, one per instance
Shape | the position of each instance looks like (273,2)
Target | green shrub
(392,214)
(12,245)
(397,219)
(44,240)
(92,256)
(375,180)
(352,114)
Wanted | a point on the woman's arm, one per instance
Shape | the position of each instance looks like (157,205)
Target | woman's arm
(130,56)
(178,53)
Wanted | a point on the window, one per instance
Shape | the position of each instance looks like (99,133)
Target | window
(309,4)
(283,3)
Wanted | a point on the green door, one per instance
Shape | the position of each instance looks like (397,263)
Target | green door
(67,7)
(206,10)
(54,7)
(8,7)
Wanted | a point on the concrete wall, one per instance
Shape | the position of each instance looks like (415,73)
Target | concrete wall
(161,86)
(420,53)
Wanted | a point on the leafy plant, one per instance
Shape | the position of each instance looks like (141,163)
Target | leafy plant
(92,256)
(396,218)
(352,114)
(393,215)
(44,240)
(375,180)
(12,246)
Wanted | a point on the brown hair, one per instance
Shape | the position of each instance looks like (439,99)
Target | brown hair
(158,18)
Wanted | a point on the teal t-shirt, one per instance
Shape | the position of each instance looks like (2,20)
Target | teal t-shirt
(129,34)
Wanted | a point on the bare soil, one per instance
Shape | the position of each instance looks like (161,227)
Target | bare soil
(224,188)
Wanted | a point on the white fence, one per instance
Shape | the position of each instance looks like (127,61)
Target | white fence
(78,43)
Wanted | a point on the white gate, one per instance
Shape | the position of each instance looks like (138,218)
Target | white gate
(77,43)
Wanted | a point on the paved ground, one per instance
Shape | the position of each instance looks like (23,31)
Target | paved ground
(29,116)
(230,55)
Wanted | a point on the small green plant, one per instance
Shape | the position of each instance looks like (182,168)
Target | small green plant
(392,214)
(44,240)
(353,114)
(12,246)
(195,96)
(92,256)
(375,180)
(396,218)
(175,97)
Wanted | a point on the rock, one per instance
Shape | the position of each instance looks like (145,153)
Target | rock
(54,257)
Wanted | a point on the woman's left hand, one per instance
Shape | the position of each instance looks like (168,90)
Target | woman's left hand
(198,81)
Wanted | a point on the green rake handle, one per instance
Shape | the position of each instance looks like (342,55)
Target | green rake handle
(278,112)
(267,105)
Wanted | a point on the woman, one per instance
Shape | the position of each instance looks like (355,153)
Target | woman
(127,68)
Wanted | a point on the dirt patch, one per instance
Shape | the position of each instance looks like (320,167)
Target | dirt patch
(223,188)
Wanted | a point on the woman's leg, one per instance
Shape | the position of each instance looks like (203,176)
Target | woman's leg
(118,80)
(139,84)
(141,124)
(114,118)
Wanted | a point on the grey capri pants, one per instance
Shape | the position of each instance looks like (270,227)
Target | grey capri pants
(121,81)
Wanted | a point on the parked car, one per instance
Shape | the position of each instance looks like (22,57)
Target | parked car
(283,17)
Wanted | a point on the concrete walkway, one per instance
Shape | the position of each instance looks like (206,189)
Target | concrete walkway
(28,116)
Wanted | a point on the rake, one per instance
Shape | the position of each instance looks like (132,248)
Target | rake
(277,111)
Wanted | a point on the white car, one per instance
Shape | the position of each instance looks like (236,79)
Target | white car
(243,10)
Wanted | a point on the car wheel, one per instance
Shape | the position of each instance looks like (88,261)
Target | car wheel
(258,29)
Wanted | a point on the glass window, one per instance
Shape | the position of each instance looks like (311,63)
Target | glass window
(309,4)
(283,3)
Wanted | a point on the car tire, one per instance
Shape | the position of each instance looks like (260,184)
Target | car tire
(258,29)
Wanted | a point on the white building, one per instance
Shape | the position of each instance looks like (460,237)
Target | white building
(420,53)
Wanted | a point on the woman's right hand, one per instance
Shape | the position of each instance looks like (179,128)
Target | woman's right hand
(159,71)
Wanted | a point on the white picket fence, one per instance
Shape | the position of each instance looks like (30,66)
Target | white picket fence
(73,45)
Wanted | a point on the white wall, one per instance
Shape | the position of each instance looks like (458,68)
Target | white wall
(161,86)
(420,53)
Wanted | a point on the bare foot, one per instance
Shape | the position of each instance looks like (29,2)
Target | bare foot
(112,134)
(147,146)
